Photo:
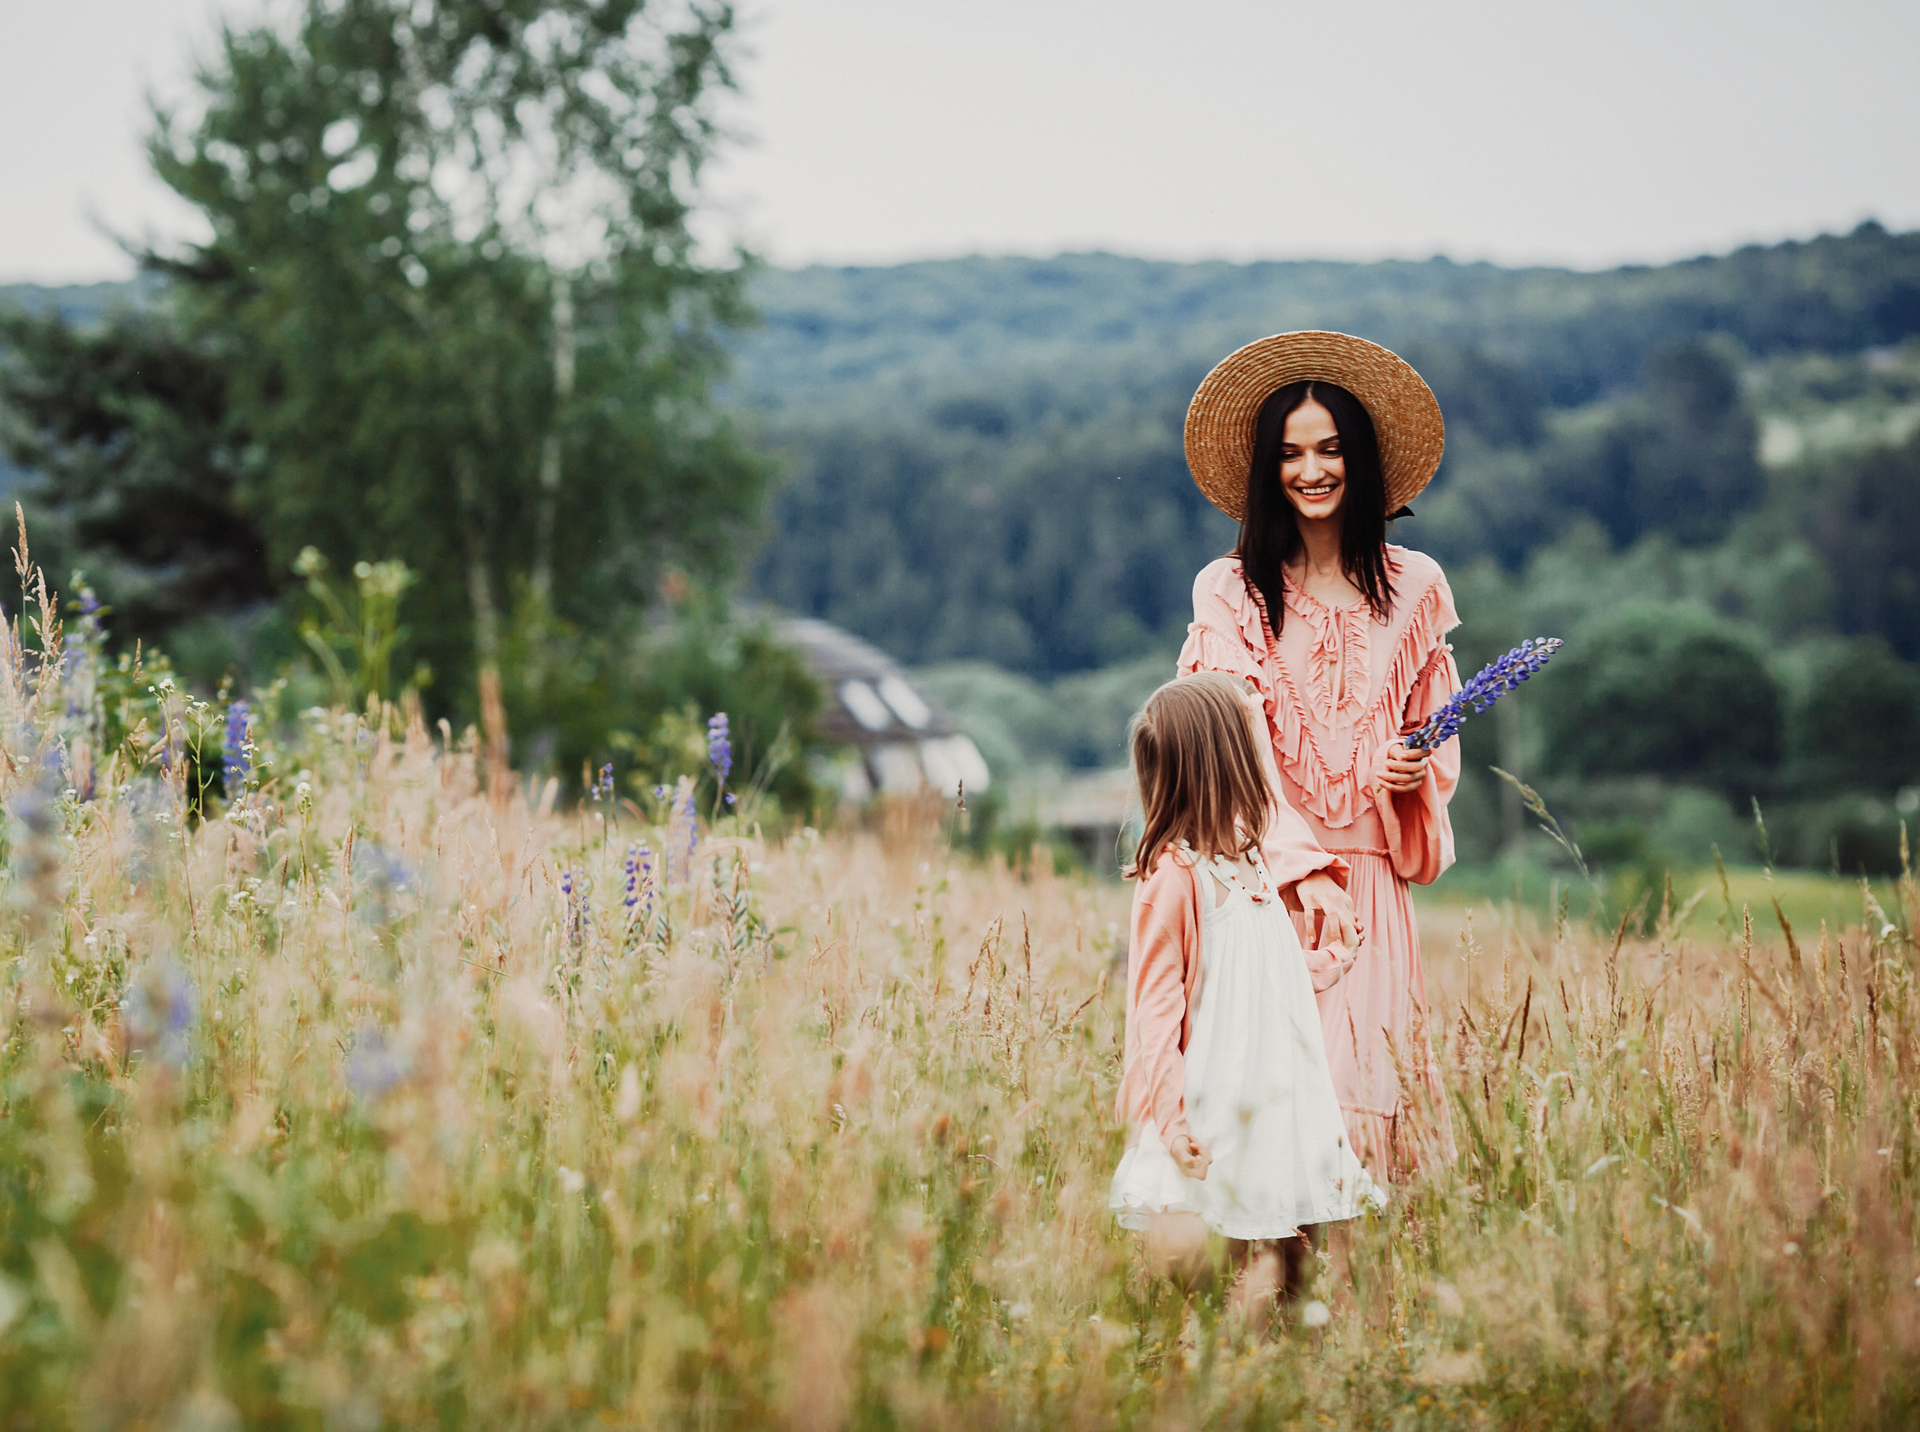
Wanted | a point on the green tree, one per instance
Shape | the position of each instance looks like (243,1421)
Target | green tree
(124,429)
(1861,512)
(1858,719)
(1657,690)
(1681,457)
(452,283)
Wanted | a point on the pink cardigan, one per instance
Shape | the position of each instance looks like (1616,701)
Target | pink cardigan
(1163,969)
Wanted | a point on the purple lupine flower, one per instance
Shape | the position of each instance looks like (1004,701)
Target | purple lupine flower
(374,1065)
(1488,685)
(239,749)
(683,825)
(603,787)
(159,1012)
(573,910)
(639,872)
(719,746)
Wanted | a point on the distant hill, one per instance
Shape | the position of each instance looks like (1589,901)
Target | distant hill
(983,455)
(842,331)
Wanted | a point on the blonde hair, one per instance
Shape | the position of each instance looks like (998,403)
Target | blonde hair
(1198,771)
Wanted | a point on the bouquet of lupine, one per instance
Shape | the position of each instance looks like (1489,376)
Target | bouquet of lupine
(1493,681)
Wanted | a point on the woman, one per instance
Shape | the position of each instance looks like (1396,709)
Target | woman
(1311,441)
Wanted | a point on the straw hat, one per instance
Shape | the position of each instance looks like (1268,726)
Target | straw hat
(1220,419)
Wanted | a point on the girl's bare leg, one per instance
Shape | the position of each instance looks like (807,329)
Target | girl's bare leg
(1339,1246)
(1302,1263)
(1257,1285)
(1176,1248)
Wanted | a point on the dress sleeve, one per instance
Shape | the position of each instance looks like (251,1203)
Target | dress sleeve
(1419,832)
(1217,636)
(1289,847)
(1164,937)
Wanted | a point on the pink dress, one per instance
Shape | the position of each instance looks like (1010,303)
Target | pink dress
(1330,739)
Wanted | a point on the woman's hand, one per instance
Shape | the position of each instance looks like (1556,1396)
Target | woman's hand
(1404,769)
(1322,893)
(1189,1157)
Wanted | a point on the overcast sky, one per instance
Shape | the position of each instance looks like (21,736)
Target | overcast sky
(880,130)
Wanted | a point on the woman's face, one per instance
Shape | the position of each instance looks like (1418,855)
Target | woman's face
(1313,473)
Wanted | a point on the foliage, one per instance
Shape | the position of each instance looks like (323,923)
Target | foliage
(1046,548)
(456,304)
(1023,727)
(1678,458)
(384,1098)
(1859,512)
(1660,690)
(640,697)
(363,629)
(1857,720)
(126,430)
(1577,337)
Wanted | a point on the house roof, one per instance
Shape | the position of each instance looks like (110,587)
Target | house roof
(870,698)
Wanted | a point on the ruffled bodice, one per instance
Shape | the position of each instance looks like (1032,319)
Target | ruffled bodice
(1336,670)
(1329,742)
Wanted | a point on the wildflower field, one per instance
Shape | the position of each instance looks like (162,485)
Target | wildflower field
(369,1086)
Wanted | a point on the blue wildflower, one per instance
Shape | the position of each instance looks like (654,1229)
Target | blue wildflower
(382,868)
(639,886)
(574,911)
(683,826)
(603,786)
(158,1013)
(719,746)
(1488,685)
(373,1065)
(238,750)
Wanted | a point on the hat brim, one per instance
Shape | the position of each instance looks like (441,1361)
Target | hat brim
(1406,417)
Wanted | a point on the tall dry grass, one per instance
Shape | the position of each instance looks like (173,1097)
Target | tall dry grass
(368,1101)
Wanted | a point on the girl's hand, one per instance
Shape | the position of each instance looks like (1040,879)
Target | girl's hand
(1404,769)
(1189,1157)
(1321,892)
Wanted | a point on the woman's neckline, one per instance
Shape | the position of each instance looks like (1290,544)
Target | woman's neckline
(1293,585)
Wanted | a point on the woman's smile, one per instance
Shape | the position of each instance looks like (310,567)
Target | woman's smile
(1313,472)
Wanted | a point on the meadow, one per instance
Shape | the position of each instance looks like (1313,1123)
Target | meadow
(390,1090)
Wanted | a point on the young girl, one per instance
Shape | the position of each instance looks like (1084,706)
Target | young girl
(1235,1124)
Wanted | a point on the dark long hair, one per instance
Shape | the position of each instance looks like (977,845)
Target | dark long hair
(1270,533)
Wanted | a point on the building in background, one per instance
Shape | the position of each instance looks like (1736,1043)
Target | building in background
(898,742)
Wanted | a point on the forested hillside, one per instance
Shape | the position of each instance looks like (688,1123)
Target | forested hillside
(1706,475)
(985,453)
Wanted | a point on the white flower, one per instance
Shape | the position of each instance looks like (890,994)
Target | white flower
(1315,1315)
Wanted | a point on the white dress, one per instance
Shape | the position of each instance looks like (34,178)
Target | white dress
(1259,1097)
